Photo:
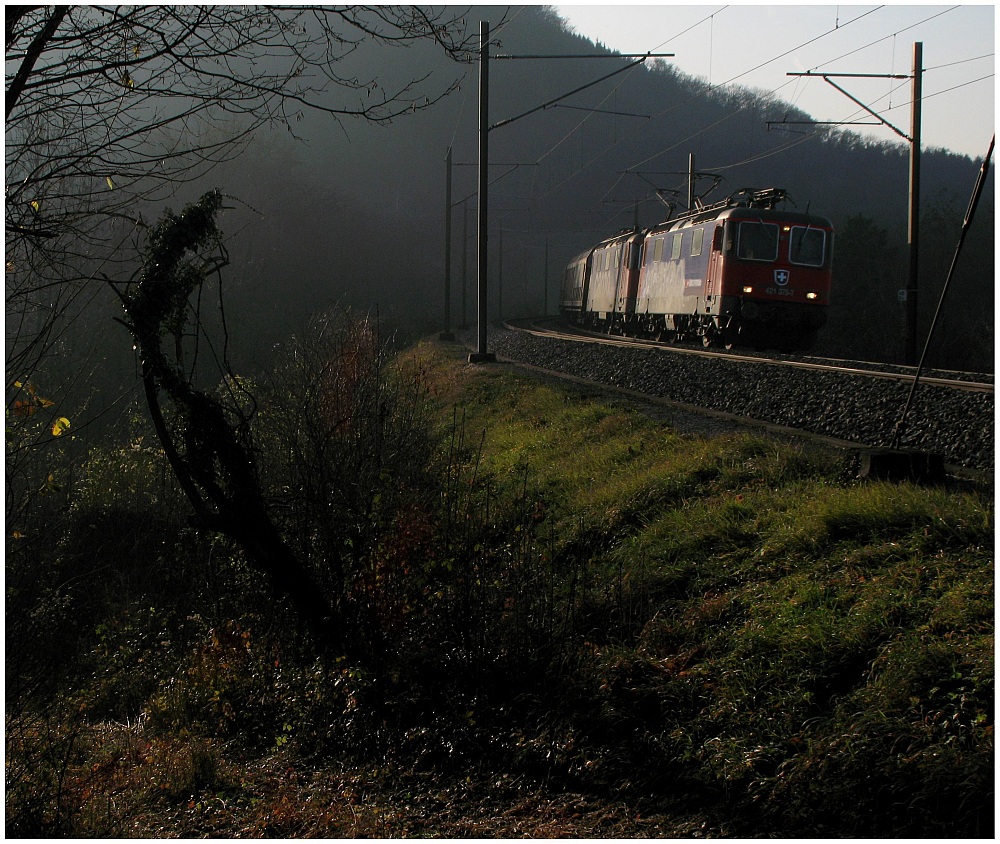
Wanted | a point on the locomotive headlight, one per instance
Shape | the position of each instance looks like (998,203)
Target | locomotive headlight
(812,295)
(748,289)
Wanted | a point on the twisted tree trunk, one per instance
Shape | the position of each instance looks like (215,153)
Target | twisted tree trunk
(206,449)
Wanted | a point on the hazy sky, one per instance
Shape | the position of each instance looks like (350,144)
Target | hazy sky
(757,46)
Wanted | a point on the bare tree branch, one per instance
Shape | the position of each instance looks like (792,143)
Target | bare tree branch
(110,108)
(31,56)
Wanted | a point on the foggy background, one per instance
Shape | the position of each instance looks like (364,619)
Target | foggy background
(349,214)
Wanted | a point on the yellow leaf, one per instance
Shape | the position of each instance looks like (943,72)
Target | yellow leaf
(110,183)
(60,426)
(36,205)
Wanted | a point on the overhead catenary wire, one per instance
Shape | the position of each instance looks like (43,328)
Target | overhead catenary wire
(741,108)
(552,102)
(673,108)
(778,88)
(602,153)
(762,155)
(576,128)
(960,61)
(461,110)
(579,125)
(903,84)
(892,89)
(924,97)
(948,90)
(885,37)
(498,30)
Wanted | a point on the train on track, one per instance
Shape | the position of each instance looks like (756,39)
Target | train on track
(737,273)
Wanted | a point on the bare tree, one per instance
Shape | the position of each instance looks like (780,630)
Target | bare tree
(110,109)
(307,486)
(207,448)
(110,106)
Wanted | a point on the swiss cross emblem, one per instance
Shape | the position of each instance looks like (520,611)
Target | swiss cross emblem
(781,277)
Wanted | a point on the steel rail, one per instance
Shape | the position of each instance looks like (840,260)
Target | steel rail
(582,335)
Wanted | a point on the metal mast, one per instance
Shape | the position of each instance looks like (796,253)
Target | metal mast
(913,214)
(481,355)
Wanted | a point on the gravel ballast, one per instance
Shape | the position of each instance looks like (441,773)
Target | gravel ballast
(955,424)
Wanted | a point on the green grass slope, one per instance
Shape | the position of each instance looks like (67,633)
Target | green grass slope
(815,652)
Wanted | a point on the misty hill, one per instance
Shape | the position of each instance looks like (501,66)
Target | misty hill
(354,213)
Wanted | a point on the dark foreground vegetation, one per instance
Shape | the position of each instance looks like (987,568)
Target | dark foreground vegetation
(558,617)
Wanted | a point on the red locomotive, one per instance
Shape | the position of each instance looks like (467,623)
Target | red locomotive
(739,272)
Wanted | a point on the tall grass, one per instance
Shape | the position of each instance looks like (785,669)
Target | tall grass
(802,646)
(560,591)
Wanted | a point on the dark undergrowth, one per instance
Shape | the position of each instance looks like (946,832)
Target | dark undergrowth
(570,620)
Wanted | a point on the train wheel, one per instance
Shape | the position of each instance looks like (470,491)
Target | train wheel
(717,340)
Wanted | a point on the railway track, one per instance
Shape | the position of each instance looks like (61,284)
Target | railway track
(851,403)
(554,327)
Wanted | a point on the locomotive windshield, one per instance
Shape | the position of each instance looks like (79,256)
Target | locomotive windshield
(807,246)
(757,241)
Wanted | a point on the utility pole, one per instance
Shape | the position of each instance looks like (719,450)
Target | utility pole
(500,276)
(691,178)
(545,304)
(913,213)
(481,355)
(447,333)
(465,263)
(465,235)
(913,228)
(635,207)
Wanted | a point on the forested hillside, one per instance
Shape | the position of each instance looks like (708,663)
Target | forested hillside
(583,176)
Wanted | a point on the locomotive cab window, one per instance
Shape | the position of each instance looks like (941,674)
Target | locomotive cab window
(757,241)
(807,246)
(717,239)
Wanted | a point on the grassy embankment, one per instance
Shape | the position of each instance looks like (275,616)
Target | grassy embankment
(624,631)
